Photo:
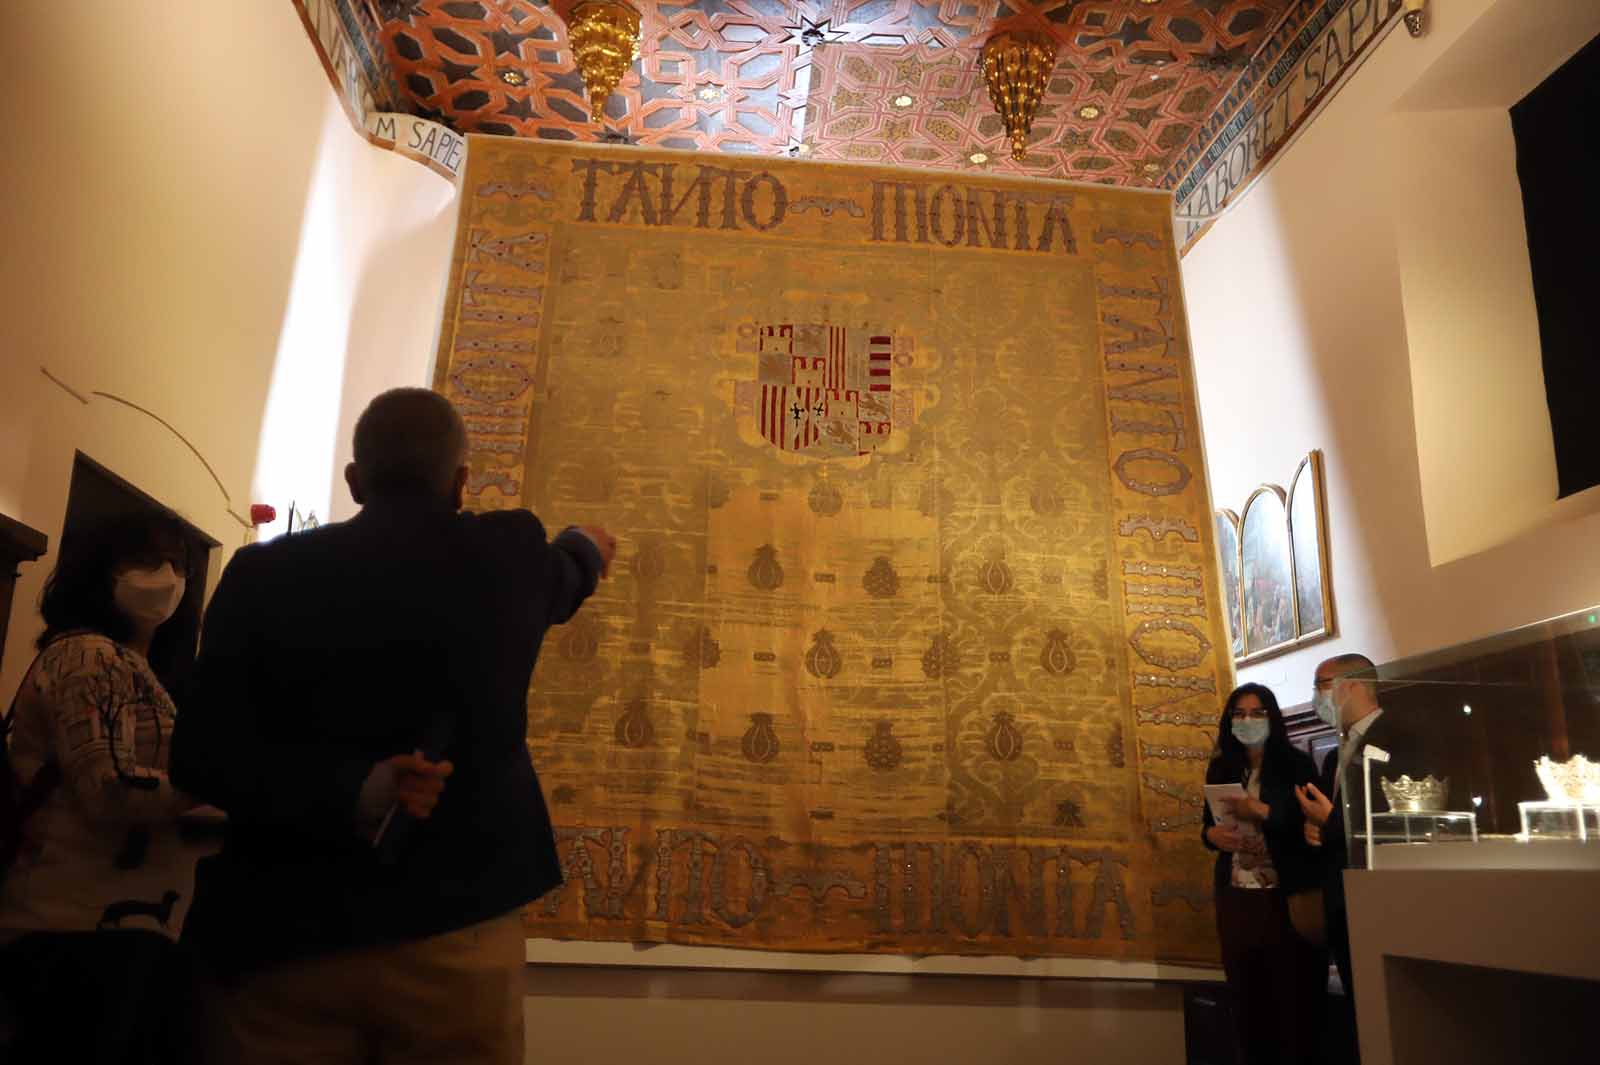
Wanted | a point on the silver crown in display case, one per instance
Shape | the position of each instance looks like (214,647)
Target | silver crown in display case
(1407,796)
(1577,780)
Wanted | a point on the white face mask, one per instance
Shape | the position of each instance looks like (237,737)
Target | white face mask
(1252,732)
(1326,710)
(149,596)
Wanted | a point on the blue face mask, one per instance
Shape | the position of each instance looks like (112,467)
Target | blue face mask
(1252,732)
(1323,705)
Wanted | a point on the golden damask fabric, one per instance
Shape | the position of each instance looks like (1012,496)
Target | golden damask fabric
(913,642)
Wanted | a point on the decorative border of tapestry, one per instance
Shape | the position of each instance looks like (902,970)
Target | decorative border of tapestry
(914,642)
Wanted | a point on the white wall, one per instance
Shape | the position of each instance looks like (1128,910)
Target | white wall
(362,314)
(1483,428)
(1319,321)
(193,225)
(1485,448)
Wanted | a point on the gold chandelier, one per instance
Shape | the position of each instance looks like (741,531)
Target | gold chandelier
(604,35)
(1016,67)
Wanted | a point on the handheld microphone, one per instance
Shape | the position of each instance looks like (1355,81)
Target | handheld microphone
(398,824)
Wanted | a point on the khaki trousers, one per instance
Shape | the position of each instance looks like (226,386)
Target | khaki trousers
(454,998)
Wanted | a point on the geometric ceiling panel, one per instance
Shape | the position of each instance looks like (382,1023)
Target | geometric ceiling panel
(887,81)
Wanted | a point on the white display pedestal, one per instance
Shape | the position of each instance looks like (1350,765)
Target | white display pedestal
(1471,965)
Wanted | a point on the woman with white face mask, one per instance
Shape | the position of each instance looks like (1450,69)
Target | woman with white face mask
(97,890)
(1277,977)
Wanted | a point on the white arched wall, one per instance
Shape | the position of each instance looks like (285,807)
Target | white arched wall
(362,314)
(193,224)
(1322,317)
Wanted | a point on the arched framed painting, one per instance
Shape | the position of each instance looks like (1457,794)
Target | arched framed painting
(1273,564)
(1228,562)
(1308,538)
(1266,571)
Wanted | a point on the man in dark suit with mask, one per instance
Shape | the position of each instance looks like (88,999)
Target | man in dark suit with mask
(1346,697)
(359,712)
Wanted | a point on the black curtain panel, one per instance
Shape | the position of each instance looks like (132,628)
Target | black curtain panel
(1557,130)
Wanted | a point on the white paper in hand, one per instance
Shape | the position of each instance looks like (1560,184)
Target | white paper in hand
(1221,812)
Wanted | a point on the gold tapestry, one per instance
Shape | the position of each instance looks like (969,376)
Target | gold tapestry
(912,643)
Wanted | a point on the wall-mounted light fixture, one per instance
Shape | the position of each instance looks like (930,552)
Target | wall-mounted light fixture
(1416,17)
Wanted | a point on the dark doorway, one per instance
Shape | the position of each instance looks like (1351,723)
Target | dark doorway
(1557,130)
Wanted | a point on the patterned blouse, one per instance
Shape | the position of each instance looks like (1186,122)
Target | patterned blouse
(1253,868)
(98,709)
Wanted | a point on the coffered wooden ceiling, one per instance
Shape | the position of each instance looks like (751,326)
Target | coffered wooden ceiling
(881,81)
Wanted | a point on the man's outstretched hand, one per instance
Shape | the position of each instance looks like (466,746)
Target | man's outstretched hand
(605,543)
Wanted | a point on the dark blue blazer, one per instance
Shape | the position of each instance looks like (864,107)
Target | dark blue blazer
(1394,734)
(324,653)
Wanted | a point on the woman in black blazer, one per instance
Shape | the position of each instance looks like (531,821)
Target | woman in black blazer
(1278,979)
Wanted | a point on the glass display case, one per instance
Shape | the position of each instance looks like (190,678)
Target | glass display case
(1477,755)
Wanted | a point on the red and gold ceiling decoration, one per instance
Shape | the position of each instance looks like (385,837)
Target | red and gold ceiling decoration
(886,81)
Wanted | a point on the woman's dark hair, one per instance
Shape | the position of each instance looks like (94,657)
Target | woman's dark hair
(1230,759)
(78,594)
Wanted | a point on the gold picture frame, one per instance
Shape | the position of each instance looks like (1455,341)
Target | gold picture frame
(1308,536)
(1228,558)
(1277,580)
